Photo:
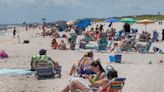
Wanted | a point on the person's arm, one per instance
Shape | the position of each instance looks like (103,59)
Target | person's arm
(112,50)
(81,60)
(102,76)
(99,82)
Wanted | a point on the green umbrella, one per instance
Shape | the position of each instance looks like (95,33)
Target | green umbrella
(129,20)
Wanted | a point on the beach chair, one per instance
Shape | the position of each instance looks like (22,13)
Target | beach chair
(44,70)
(115,85)
(102,44)
(87,38)
(146,48)
(73,37)
(118,35)
(134,31)
(155,36)
(130,44)
(82,45)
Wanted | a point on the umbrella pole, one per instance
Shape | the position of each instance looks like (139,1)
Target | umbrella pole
(145,28)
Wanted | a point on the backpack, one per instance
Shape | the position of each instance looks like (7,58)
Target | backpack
(3,54)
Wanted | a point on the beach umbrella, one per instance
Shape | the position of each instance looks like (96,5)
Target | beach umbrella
(83,23)
(145,22)
(70,22)
(112,20)
(129,20)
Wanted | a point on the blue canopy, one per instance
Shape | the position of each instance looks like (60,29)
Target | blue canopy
(112,20)
(83,23)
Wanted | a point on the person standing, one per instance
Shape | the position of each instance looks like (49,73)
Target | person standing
(162,34)
(44,31)
(14,32)
(126,28)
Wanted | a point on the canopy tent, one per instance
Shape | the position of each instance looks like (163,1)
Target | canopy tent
(83,23)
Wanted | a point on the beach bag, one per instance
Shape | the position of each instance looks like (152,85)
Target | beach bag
(26,41)
(3,54)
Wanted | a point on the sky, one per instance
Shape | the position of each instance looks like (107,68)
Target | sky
(19,11)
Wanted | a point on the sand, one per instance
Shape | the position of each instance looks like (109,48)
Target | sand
(141,76)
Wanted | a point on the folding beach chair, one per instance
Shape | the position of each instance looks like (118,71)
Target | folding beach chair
(115,85)
(44,70)
(73,37)
(87,38)
(102,44)
(146,48)
(117,35)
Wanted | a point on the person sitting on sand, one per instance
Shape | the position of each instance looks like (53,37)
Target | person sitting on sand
(83,65)
(14,32)
(54,44)
(99,82)
(42,57)
(62,45)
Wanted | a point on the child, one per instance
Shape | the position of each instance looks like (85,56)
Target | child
(62,45)
(54,44)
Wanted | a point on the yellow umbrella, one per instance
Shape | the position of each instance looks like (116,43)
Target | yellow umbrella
(70,22)
(145,22)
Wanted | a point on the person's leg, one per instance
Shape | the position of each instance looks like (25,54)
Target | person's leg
(66,89)
(77,85)
(32,65)
(72,70)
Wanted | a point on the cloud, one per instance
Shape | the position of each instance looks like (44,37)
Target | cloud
(32,10)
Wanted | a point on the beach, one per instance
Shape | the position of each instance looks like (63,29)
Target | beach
(141,76)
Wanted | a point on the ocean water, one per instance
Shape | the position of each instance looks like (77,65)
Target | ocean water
(4,33)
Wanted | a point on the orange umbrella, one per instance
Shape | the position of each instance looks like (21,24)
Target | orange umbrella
(145,22)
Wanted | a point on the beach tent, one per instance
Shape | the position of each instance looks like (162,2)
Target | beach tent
(83,23)
(145,22)
(129,20)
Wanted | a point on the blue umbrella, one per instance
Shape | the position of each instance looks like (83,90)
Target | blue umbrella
(112,20)
(83,23)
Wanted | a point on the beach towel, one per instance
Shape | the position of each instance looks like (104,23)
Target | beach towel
(3,54)
(8,71)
